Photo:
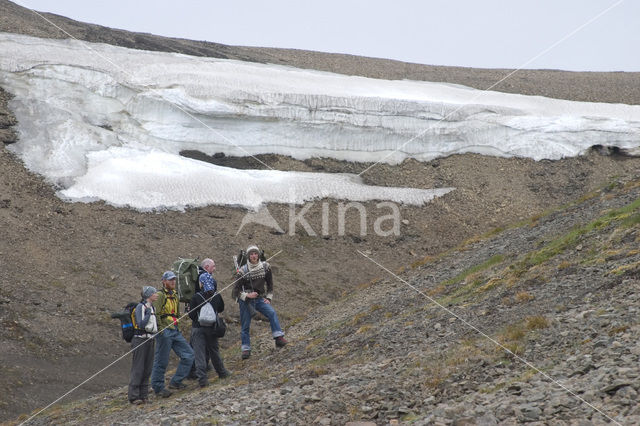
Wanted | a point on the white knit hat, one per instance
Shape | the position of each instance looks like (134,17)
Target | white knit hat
(252,248)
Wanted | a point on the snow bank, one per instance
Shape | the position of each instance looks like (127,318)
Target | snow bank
(88,112)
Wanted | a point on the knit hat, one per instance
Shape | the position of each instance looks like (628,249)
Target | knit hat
(252,248)
(148,291)
(169,275)
(207,282)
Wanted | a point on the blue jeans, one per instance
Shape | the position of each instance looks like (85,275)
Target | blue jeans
(165,341)
(245,319)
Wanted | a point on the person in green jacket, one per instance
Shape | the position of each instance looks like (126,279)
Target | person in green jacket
(167,309)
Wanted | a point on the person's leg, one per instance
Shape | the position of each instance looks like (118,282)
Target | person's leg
(160,360)
(267,310)
(185,353)
(214,352)
(137,369)
(192,374)
(199,344)
(245,321)
(148,363)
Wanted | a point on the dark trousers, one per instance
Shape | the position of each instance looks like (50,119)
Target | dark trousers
(141,368)
(192,373)
(205,345)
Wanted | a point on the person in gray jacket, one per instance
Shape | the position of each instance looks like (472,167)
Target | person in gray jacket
(142,345)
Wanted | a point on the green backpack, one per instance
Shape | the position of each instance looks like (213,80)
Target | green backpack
(186,271)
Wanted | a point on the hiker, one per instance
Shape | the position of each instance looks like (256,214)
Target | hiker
(203,338)
(206,266)
(142,345)
(167,310)
(254,291)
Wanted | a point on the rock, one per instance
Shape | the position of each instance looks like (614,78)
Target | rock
(8,136)
(583,370)
(313,398)
(613,387)
(627,392)
(486,420)
(528,413)
(586,314)
(465,421)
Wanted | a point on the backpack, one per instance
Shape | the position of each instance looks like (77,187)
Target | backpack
(127,319)
(207,316)
(186,271)
(241,259)
(220,327)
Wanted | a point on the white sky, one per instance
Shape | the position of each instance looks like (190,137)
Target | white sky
(474,33)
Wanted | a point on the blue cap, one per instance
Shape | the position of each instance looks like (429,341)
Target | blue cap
(169,275)
(207,282)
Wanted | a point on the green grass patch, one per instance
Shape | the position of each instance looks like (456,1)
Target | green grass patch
(494,260)
(631,221)
(573,237)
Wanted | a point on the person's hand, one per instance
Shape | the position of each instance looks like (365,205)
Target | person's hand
(267,301)
(252,295)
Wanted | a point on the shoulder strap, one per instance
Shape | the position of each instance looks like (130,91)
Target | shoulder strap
(164,303)
(202,297)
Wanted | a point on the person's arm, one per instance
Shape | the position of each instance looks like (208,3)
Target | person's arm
(218,303)
(157,305)
(143,314)
(195,309)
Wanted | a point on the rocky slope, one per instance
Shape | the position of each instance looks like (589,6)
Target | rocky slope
(64,267)
(534,323)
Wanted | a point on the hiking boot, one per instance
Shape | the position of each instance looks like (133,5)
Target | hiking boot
(177,386)
(165,393)
(204,385)
(280,342)
(246,354)
(137,402)
(224,374)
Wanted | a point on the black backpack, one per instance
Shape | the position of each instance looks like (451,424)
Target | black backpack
(127,319)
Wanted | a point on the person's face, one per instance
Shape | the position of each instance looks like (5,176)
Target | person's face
(253,257)
(211,268)
(153,297)
(170,284)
